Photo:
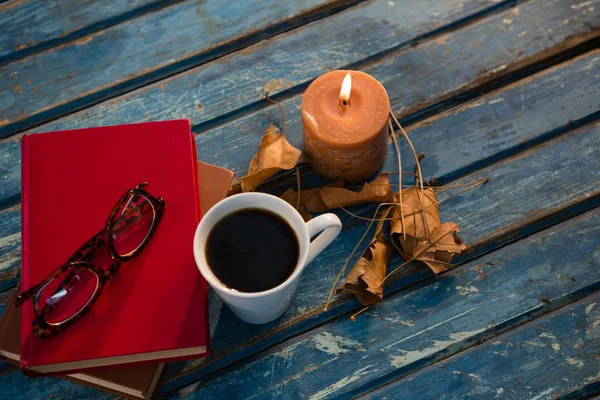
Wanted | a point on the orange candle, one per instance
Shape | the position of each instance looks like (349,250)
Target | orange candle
(344,121)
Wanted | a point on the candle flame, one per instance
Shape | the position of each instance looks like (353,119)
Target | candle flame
(345,92)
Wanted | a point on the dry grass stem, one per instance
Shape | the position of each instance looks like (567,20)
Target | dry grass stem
(298,183)
(399,173)
(353,316)
(412,148)
(278,104)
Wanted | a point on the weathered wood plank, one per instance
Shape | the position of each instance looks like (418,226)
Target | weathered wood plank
(142,50)
(464,54)
(412,330)
(10,248)
(550,357)
(19,386)
(314,285)
(3,301)
(6,368)
(30,26)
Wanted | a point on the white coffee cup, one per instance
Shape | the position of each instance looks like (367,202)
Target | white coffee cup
(266,306)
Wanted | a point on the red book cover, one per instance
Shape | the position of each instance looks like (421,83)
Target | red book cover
(155,308)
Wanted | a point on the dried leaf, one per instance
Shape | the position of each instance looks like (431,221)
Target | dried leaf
(310,198)
(365,280)
(426,240)
(440,248)
(274,154)
(305,216)
(335,195)
(414,229)
(377,191)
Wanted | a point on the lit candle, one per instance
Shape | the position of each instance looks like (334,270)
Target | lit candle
(344,121)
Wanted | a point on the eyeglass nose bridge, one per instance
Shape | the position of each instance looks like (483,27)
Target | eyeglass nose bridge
(142,185)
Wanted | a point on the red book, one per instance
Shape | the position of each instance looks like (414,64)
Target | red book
(155,308)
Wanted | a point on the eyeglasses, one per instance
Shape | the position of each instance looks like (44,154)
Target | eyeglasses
(70,291)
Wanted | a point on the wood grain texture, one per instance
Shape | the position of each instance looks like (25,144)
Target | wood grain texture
(32,25)
(412,330)
(229,334)
(463,54)
(553,356)
(139,51)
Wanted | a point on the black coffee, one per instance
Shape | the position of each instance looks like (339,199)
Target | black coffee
(252,250)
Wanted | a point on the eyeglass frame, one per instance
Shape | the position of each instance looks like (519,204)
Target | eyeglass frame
(82,259)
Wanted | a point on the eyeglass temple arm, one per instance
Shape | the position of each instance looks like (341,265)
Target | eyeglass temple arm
(26,295)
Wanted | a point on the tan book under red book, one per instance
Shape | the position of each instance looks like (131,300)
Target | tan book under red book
(136,381)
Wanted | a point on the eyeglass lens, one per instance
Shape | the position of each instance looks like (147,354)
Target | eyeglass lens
(67,294)
(132,223)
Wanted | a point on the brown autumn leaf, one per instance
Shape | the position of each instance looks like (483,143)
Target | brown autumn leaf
(443,244)
(424,239)
(378,191)
(310,198)
(274,154)
(291,197)
(305,215)
(365,280)
(335,195)
(415,227)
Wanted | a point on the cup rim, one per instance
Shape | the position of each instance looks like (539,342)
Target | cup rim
(206,271)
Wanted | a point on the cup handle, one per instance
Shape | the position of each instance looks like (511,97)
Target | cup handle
(330,226)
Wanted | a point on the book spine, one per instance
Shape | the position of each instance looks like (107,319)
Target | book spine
(25,243)
(197,184)
(195,175)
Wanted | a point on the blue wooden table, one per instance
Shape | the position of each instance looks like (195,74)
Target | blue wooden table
(508,90)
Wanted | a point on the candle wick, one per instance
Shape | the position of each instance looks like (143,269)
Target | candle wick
(344,99)
(344,103)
